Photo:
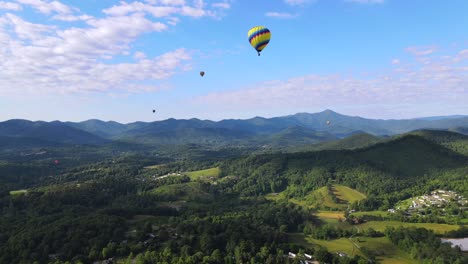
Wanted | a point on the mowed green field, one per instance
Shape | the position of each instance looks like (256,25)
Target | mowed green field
(321,199)
(18,192)
(381,225)
(330,214)
(371,213)
(201,174)
(348,194)
(386,252)
(331,217)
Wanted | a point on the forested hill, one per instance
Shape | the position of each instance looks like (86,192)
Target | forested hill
(298,129)
(391,171)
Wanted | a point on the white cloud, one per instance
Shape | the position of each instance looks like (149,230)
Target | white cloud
(280,15)
(165,10)
(10,6)
(421,51)
(367,1)
(71,18)
(47,7)
(415,83)
(223,5)
(46,58)
(43,58)
(139,55)
(395,61)
(298,2)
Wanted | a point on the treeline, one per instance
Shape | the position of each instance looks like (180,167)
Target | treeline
(383,172)
(423,245)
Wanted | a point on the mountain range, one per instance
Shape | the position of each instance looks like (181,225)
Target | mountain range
(292,130)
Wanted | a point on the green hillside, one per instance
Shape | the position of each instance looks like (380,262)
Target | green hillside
(410,155)
(394,169)
(338,198)
(359,140)
(202,174)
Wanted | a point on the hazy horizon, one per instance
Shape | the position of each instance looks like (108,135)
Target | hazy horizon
(118,61)
(217,120)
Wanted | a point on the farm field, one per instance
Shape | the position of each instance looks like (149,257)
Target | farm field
(381,247)
(203,174)
(381,225)
(320,198)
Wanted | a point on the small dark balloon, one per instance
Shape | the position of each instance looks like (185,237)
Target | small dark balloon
(154,111)
(202,73)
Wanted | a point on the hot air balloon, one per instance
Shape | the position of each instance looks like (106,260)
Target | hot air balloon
(328,122)
(154,111)
(202,73)
(259,37)
(56,162)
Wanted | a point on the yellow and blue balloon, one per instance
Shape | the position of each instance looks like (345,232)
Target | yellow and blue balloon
(259,37)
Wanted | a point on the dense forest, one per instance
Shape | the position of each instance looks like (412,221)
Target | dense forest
(143,206)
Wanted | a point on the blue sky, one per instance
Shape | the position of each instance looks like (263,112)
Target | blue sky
(119,60)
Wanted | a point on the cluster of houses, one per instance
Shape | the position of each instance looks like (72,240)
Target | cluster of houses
(438,198)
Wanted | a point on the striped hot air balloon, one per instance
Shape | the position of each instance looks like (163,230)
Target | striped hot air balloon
(259,37)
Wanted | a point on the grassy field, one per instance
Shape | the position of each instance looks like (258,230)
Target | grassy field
(338,245)
(321,199)
(348,194)
(330,214)
(381,225)
(386,252)
(405,204)
(371,213)
(201,174)
(180,192)
(18,192)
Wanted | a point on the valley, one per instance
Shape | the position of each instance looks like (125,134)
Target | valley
(333,197)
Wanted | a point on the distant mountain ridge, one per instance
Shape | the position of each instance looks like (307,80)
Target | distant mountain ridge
(297,129)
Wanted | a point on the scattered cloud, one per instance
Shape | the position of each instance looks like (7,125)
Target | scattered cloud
(280,15)
(223,5)
(421,51)
(411,83)
(395,61)
(10,6)
(298,2)
(46,7)
(177,8)
(71,18)
(46,58)
(366,1)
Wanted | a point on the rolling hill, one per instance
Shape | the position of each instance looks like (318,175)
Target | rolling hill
(48,132)
(359,140)
(293,130)
(386,167)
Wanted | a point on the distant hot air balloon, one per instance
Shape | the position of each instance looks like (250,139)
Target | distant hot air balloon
(56,162)
(328,122)
(259,37)
(154,111)
(202,73)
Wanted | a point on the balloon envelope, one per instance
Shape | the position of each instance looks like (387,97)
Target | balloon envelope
(202,73)
(328,122)
(259,37)
(154,110)
(56,161)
